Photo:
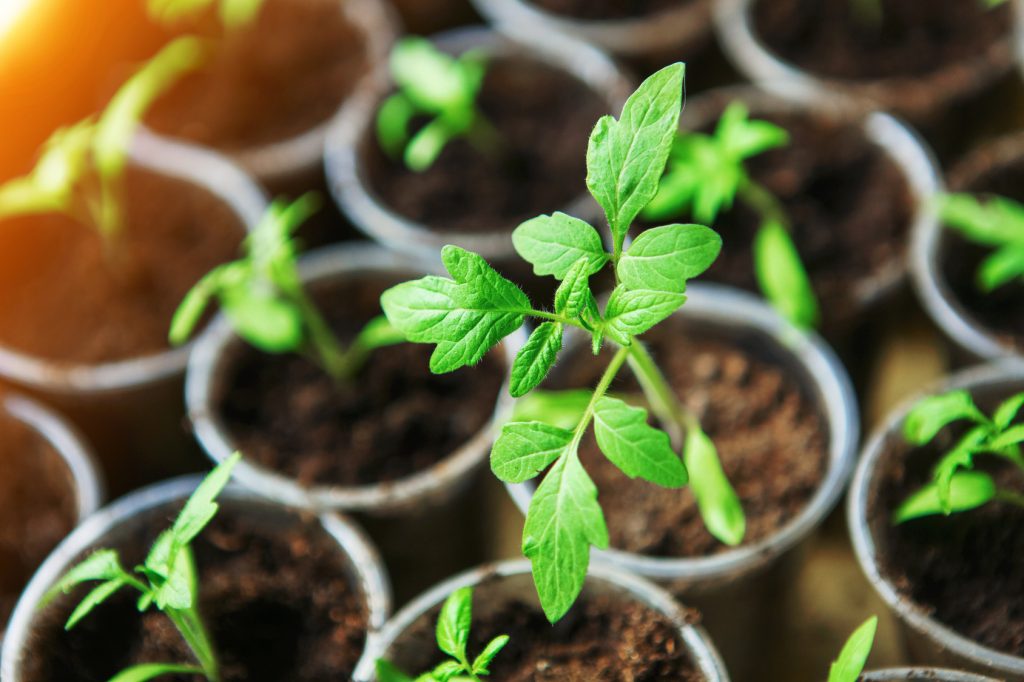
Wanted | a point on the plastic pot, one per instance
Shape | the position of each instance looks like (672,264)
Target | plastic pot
(922,674)
(931,244)
(408,636)
(119,520)
(345,162)
(928,640)
(131,410)
(402,516)
(751,579)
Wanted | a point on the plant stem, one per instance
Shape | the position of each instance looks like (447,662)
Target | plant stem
(662,398)
(190,625)
(327,350)
(757,197)
(602,387)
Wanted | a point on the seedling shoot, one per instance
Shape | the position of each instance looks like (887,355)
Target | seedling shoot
(997,224)
(854,655)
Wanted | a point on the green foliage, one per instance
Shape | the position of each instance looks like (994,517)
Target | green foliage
(706,174)
(452,632)
(469,314)
(167,579)
(997,224)
(953,488)
(437,86)
(853,657)
(80,167)
(262,296)
(232,13)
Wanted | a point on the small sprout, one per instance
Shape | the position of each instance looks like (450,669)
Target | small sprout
(468,314)
(80,169)
(453,625)
(998,224)
(853,657)
(262,296)
(954,487)
(706,175)
(233,14)
(442,88)
(167,579)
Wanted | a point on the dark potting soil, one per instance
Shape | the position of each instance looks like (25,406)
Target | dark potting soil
(608,9)
(37,507)
(771,439)
(395,419)
(543,115)
(64,297)
(283,75)
(963,568)
(916,38)
(276,599)
(849,206)
(1002,310)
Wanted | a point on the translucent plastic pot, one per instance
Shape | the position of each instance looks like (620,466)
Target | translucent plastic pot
(923,675)
(409,635)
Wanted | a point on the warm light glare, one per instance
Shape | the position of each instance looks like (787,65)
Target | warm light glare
(10,10)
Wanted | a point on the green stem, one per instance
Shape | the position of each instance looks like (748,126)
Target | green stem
(602,387)
(662,398)
(329,352)
(190,625)
(757,197)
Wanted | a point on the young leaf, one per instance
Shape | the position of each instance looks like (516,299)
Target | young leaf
(931,414)
(741,138)
(718,503)
(269,323)
(482,662)
(563,521)
(149,671)
(378,333)
(558,408)
(960,457)
(103,564)
(573,295)
(631,312)
(524,449)
(634,446)
(663,258)
(536,358)
(854,655)
(554,243)
(626,158)
(200,508)
(96,597)
(1012,436)
(782,277)
(967,490)
(1007,411)
(1002,267)
(387,672)
(454,621)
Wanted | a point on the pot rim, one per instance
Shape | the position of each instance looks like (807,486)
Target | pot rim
(359,553)
(633,36)
(934,674)
(345,168)
(203,168)
(748,53)
(908,611)
(930,284)
(210,353)
(697,641)
(831,390)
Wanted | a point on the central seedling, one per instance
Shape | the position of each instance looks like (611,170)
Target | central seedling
(997,224)
(954,487)
(452,632)
(439,87)
(263,298)
(469,314)
(167,580)
(706,174)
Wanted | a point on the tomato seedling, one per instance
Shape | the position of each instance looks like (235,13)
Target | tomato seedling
(998,224)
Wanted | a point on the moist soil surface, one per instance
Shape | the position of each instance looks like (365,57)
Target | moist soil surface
(850,210)
(1002,310)
(828,38)
(543,115)
(67,298)
(283,75)
(962,569)
(599,10)
(276,600)
(395,419)
(770,438)
(37,507)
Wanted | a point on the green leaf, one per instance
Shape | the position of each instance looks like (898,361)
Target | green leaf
(631,312)
(1012,436)
(782,277)
(446,671)
(626,158)
(454,622)
(50,185)
(740,138)
(536,358)
(573,295)
(379,332)
(932,413)
(853,657)
(393,119)
(718,503)
(563,521)
(103,564)
(995,223)
(387,672)
(968,489)
(269,323)
(237,13)
(559,408)
(663,258)
(482,662)
(201,506)
(1007,411)
(634,446)
(1002,267)
(960,457)
(96,597)
(431,78)
(179,590)
(554,243)
(149,671)
(677,189)
(428,143)
(524,449)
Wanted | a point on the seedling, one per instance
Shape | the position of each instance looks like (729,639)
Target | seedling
(80,169)
(954,488)
(167,579)
(706,175)
(999,224)
(453,626)
(262,296)
(442,88)
(233,13)
(853,657)
(472,312)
